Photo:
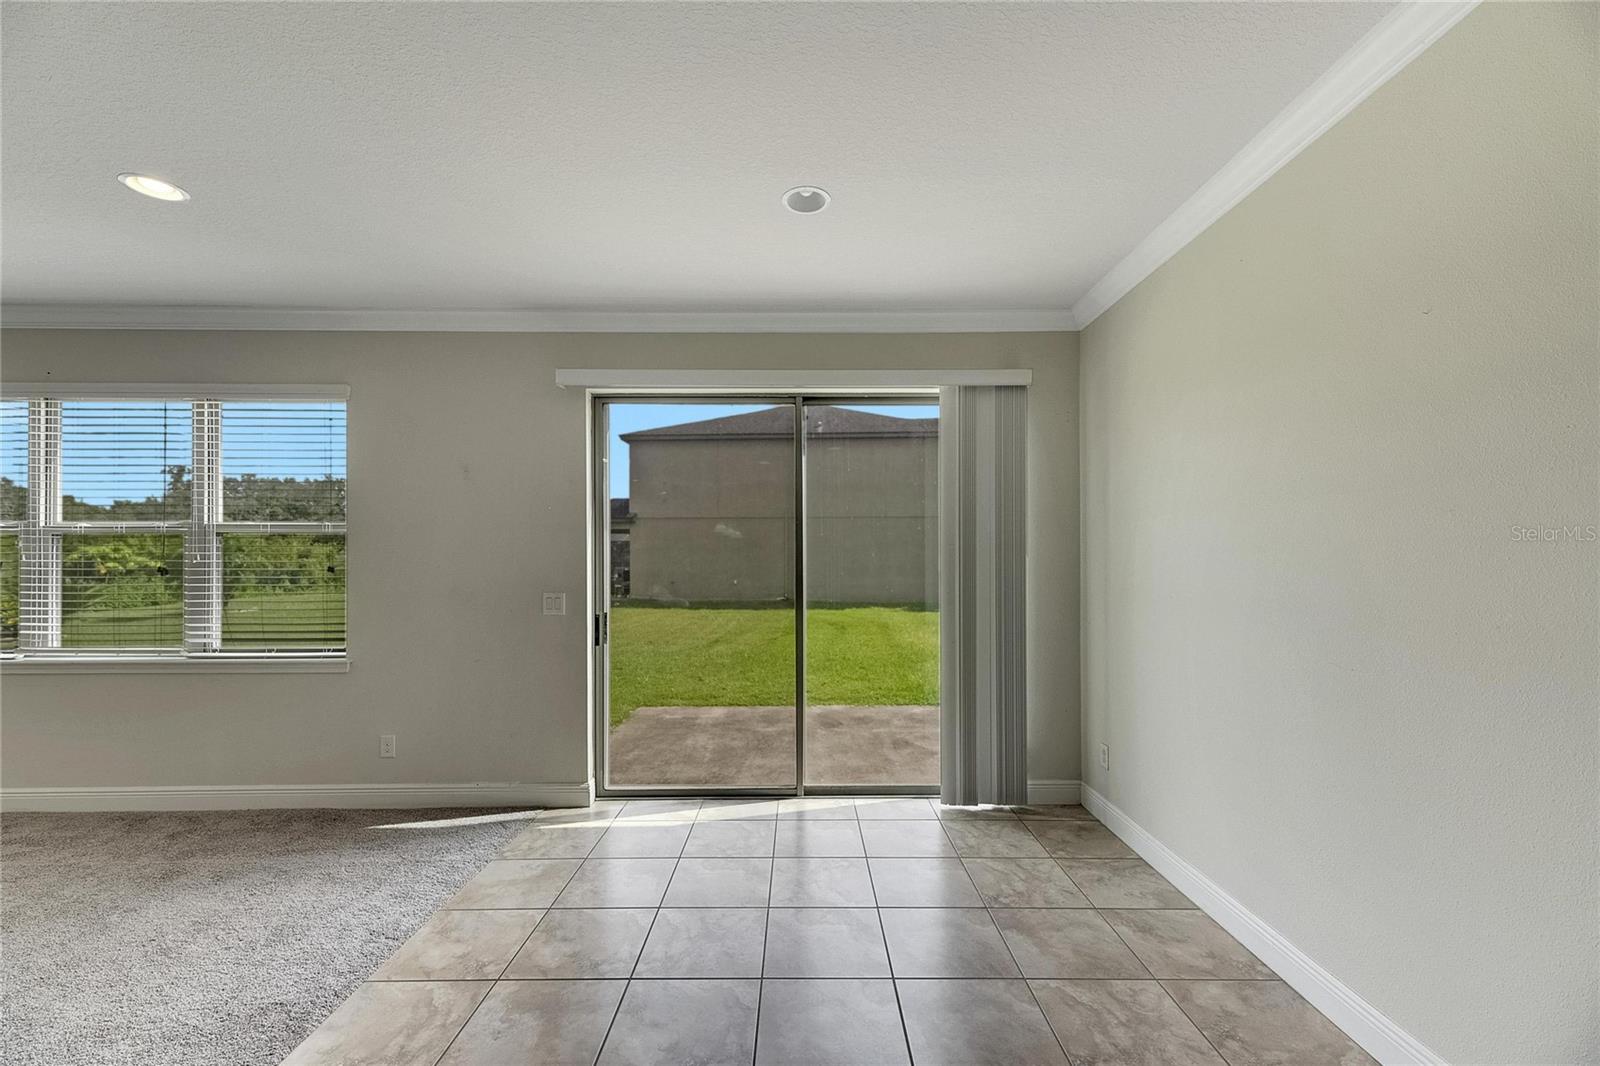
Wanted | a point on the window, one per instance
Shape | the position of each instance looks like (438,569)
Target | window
(208,525)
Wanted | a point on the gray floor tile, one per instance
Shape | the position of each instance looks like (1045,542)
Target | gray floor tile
(720,882)
(990,838)
(1264,1023)
(1066,943)
(751,837)
(805,1023)
(460,946)
(618,883)
(1122,1023)
(642,841)
(973,814)
(518,884)
(1079,840)
(825,942)
(1074,811)
(925,839)
(706,1023)
(540,841)
(1124,883)
(704,942)
(562,1023)
(583,944)
(946,942)
(408,1023)
(1186,944)
(922,883)
(731,810)
(814,808)
(658,811)
(598,813)
(821,882)
(1023,883)
(818,837)
(894,807)
(976,1023)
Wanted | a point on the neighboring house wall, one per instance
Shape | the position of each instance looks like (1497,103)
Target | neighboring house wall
(1331,674)
(872,520)
(714,519)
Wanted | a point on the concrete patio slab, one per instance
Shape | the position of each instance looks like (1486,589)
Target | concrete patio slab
(754,746)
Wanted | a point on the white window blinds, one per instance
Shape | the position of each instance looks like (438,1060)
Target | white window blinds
(190,526)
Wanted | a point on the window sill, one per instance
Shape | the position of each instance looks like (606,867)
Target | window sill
(153,665)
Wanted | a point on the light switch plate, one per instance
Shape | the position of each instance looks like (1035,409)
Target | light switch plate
(555,603)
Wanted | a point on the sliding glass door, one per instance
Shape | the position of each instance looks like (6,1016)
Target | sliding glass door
(701,595)
(769,590)
(872,595)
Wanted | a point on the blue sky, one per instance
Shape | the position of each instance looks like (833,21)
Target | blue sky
(277,440)
(628,417)
(101,463)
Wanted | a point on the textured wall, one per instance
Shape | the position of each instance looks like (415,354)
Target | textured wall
(1333,671)
(467,499)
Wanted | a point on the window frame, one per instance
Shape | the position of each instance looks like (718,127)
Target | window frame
(42,528)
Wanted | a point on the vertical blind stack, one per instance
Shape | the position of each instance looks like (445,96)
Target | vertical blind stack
(983,735)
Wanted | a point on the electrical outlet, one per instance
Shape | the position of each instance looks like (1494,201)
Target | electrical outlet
(1105,757)
(386,746)
(555,603)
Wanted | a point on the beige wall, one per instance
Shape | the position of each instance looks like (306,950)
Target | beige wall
(1331,673)
(467,499)
(714,519)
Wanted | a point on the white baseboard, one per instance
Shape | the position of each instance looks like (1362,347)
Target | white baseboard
(242,797)
(1366,1025)
(1054,791)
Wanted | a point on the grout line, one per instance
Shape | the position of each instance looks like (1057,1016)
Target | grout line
(571,980)
(1098,913)
(1098,910)
(494,981)
(643,943)
(476,1007)
(894,982)
(544,913)
(1174,1000)
(1026,982)
(761,983)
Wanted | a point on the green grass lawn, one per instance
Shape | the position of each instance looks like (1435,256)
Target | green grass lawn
(744,657)
(246,621)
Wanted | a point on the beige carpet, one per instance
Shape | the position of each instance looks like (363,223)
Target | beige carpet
(210,938)
(753,747)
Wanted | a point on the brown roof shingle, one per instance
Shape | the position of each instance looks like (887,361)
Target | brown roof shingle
(776,422)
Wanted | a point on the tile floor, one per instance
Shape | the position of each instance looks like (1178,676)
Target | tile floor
(821,930)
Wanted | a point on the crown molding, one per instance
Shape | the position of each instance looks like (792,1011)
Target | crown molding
(1404,34)
(130,316)
(1400,37)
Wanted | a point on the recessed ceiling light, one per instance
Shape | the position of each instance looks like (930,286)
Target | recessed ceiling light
(805,199)
(153,187)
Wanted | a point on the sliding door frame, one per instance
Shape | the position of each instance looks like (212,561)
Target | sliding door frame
(600,578)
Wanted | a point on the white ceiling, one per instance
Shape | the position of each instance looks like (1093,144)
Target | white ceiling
(623,157)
